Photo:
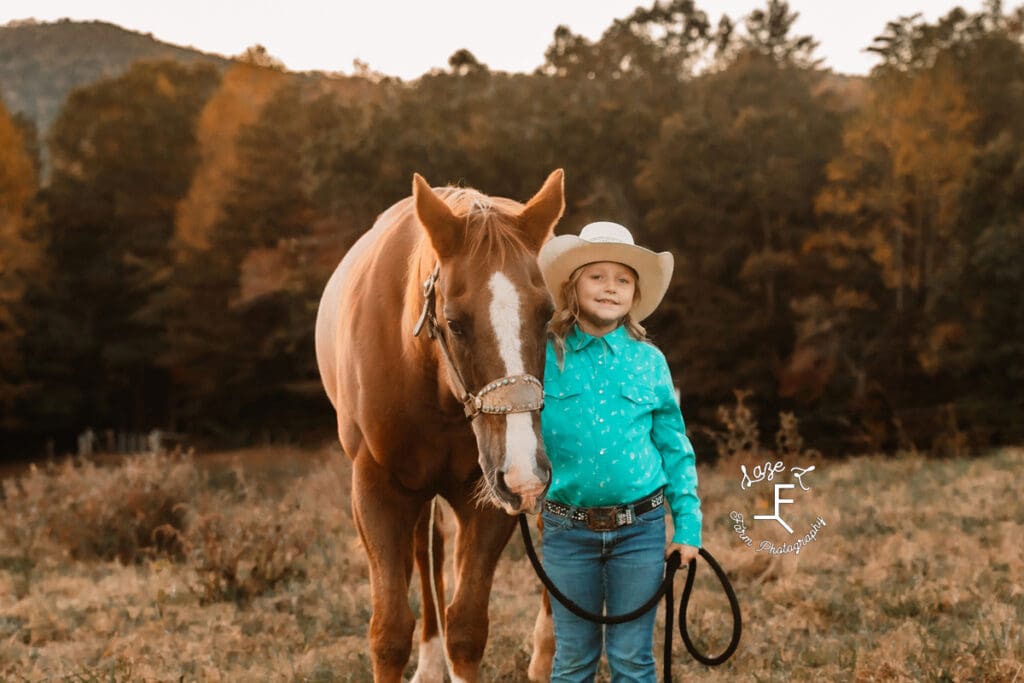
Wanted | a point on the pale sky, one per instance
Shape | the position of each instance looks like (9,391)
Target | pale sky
(406,38)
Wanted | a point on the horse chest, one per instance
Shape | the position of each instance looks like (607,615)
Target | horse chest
(420,455)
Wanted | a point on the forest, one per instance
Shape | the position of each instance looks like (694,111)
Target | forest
(848,249)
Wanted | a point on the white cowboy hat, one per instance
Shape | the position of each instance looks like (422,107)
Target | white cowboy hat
(606,241)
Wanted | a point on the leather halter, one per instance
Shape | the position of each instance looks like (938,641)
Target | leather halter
(522,393)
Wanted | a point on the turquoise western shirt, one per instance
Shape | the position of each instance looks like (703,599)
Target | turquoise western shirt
(613,430)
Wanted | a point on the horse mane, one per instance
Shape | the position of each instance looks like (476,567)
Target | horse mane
(491,224)
(491,228)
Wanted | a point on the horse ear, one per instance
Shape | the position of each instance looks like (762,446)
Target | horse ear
(446,232)
(543,210)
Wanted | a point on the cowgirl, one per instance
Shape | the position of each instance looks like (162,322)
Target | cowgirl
(618,449)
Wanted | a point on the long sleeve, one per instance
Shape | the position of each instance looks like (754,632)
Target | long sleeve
(668,432)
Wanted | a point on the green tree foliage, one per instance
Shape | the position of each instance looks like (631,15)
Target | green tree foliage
(123,153)
(916,202)
(238,313)
(848,245)
(612,94)
(730,181)
(20,258)
(768,34)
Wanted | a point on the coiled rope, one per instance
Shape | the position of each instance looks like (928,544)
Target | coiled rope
(672,565)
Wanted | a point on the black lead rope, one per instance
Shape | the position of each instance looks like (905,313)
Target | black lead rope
(672,565)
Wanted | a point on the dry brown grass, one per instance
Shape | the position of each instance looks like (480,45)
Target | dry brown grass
(919,575)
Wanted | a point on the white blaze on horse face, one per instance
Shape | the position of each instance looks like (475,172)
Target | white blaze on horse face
(506,323)
(520,437)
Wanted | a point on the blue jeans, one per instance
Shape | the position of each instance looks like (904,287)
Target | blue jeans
(617,570)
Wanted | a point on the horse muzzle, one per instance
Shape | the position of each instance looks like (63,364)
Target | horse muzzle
(519,499)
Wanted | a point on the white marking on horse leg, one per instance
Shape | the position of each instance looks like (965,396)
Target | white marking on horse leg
(543,647)
(430,665)
(520,437)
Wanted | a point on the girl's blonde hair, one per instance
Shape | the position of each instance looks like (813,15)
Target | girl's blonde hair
(564,318)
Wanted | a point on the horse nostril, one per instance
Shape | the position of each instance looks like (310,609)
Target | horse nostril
(543,474)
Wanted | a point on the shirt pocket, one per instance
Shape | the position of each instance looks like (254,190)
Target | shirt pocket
(563,409)
(636,405)
(642,398)
(561,391)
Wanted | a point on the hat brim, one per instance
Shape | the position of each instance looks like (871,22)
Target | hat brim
(562,255)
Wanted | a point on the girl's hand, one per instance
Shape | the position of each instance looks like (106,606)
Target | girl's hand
(686,552)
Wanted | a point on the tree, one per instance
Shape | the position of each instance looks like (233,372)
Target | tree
(659,43)
(244,91)
(463,62)
(257,55)
(20,259)
(921,212)
(768,34)
(123,154)
(237,312)
(612,93)
(889,210)
(730,181)
(901,173)
(970,336)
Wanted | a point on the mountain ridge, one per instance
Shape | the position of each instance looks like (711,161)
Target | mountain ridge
(42,62)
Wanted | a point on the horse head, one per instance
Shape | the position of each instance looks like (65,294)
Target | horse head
(491,310)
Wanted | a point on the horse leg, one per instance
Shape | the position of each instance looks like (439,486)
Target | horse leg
(385,516)
(543,635)
(430,666)
(543,642)
(482,535)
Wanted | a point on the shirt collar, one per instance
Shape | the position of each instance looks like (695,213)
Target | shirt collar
(614,340)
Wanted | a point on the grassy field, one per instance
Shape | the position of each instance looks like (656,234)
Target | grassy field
(256,573)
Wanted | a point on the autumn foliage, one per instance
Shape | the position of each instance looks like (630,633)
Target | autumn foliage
(848,249)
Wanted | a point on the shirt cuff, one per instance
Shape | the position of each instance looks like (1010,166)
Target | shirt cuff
(687,531)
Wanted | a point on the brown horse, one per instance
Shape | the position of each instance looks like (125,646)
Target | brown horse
(465,265)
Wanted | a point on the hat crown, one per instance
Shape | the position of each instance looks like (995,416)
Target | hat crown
(606,231)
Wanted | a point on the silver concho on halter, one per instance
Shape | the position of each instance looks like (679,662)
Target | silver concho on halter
(512,394)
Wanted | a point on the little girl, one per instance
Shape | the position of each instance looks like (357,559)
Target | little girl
(618,449)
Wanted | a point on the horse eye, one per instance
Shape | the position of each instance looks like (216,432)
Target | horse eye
(455,327)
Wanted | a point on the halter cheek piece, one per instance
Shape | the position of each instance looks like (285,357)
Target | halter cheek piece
(511,394)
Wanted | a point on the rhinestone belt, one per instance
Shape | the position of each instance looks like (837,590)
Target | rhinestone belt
(607,518)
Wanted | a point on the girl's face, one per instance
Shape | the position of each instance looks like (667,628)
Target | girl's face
(605,293)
